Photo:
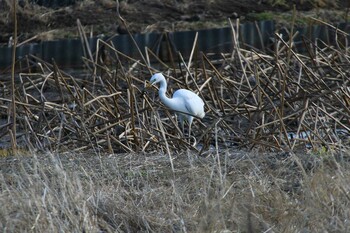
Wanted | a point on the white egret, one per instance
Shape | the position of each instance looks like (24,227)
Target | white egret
(187,104)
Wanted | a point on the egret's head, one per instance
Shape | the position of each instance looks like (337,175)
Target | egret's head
(156,78)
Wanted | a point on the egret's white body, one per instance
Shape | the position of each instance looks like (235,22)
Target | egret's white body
(186,103)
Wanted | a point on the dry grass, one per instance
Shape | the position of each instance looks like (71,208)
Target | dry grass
(232,192)
(315,3)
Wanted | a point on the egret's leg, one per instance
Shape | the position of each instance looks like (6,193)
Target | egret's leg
(189,119)
(181,119)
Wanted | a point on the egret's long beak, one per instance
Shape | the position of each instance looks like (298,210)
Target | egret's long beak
(148,85)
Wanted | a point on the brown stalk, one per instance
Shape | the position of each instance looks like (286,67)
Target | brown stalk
(12,131)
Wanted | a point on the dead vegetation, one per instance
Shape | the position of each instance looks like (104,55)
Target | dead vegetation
(270,100)
(281,100)
(230,192)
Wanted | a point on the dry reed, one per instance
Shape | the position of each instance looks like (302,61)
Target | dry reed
(253,99)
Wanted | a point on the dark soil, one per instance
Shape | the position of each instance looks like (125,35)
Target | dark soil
(42,23)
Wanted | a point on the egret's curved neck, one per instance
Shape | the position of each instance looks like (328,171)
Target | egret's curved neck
(162,89)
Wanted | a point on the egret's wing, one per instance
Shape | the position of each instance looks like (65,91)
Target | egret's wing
(191,102)
(194,105)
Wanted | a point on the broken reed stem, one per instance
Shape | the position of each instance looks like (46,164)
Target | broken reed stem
(157,118)
(291,35)
(191,56)
(132,38)
(13,94)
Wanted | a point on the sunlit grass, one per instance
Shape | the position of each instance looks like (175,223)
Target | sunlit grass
(240,192)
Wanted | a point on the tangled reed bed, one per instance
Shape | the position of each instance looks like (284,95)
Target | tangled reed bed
(280,100)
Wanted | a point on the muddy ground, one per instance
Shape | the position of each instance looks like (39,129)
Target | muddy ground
(37,22)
